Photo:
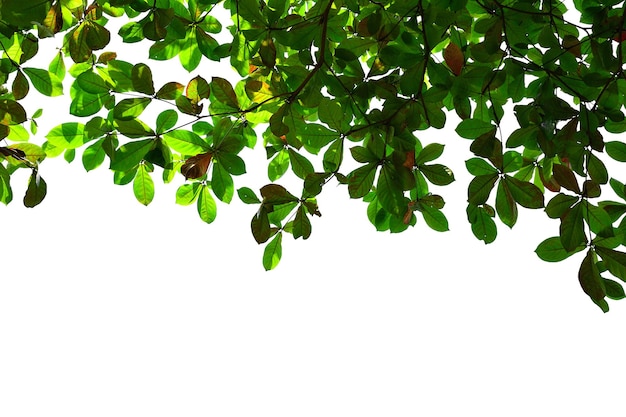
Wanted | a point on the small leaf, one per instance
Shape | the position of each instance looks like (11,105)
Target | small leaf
(187,193)
(247,196)
(196,166)
(434,218)
(437,174)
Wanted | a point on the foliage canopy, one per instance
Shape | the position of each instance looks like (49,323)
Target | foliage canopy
(347,84)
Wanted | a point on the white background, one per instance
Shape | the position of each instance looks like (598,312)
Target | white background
(111,308)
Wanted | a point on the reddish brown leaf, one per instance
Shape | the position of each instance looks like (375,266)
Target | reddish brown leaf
(454,58)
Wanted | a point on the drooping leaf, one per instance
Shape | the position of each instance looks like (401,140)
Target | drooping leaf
(589,277)
(273,252)
(36,191)
(207,209)
(143,185)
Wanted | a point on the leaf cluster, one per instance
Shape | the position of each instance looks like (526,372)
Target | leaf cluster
(339,90)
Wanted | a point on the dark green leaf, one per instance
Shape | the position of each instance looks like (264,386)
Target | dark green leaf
(361,180)
(525,194)
(301,224)
(572,228)
(480,188)
(36,191)
(589,277)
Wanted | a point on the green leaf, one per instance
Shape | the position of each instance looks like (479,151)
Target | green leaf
(616,150)
(131,154)
(300,165)
(222,183)
(260,226)
(224,92)
(141,77)
(429,153)
(130,108)
(483,226)
(614,290)
(6,193)
(67,135)
(480,187)
(92,83)
(437,174)
(525,194)
(45,82)
(93,155)
(274,194)
(559,205)
(473,128)
(505,204)
(186,142)
(434,218)
(166,120)
(389,191)
(278,166)
(143,186)
(552,250)
(207,209)
(615,261)
(572,228)
(565,177)
(273,252)
(247,196)
(187,193)
(597,169)
(361,180)
(301,224)
(589,277)
(478,166)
